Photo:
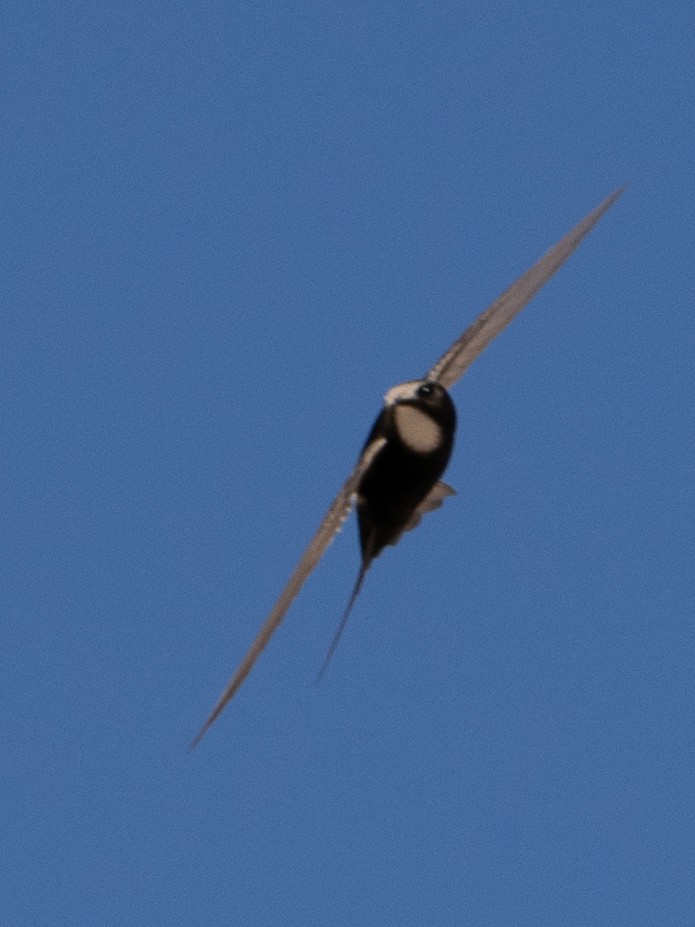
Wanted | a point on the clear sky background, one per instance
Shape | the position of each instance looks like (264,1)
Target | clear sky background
(226,230)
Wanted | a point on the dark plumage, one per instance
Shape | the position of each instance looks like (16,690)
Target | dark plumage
(414,437)
(400,476)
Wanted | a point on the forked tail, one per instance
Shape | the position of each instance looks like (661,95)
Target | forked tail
(343,621)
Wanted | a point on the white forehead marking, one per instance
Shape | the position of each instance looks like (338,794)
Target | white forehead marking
(417,430)
(402,391)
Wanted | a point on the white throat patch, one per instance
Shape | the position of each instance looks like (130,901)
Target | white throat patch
(402,391)
(416,429)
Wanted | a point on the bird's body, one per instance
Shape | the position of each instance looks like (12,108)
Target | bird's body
(418,422)
(397,477)
(411,440)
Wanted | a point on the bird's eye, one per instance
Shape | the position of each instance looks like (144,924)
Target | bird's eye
(425,390)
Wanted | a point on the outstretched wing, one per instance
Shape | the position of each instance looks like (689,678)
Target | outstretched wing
(329,527)
(490,323)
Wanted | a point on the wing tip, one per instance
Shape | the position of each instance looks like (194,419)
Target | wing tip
(607,202)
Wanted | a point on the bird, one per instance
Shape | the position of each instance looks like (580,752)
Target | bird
(396,480)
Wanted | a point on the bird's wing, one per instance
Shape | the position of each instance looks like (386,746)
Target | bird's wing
(490,323)
(329,527)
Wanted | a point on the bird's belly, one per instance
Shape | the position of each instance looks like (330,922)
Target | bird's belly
(390,491)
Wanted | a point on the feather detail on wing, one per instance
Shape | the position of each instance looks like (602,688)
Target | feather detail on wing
(490,323)
(329,527)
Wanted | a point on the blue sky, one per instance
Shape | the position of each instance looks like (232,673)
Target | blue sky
(226,231)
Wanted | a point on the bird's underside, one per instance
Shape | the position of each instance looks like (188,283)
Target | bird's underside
(396,480)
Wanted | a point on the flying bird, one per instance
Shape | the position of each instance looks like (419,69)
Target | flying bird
(397,476)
